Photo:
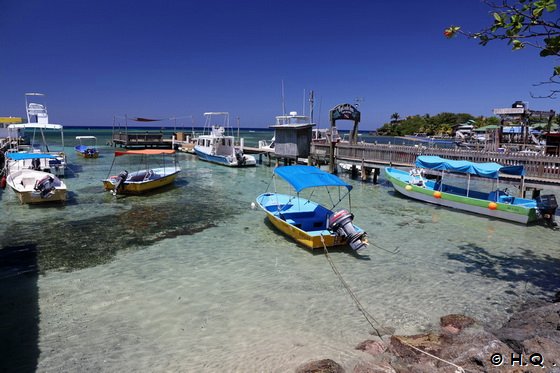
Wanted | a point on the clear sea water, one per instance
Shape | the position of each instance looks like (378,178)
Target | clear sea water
(191,279)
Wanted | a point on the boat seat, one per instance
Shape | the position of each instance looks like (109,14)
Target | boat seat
(276,208)
(300,214)
(139,177)
(506,199)
(28,181)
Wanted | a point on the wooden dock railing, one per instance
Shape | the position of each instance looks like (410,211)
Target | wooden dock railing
(146,139)
(537,167)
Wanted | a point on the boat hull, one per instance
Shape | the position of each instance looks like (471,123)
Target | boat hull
(142,186)
(22,182)
(504,211)
(86,154)
(312,239)
(229,161)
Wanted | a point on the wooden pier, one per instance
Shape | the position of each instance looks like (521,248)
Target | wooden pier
(141,139)
(538,168)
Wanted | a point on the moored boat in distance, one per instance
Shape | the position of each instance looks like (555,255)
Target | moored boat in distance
(145,179)
(217,147)
(309,223)
(87,147)
(497,203)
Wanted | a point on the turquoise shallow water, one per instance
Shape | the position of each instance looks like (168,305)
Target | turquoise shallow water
(192,279)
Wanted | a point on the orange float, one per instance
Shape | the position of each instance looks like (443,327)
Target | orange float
(492,205)
(437,194)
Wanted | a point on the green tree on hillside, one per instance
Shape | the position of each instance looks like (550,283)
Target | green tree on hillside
(439,124)
(523,23)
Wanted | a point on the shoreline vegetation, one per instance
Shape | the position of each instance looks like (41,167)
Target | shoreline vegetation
(431,125)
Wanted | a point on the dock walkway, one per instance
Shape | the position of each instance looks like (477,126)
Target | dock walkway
(538,168)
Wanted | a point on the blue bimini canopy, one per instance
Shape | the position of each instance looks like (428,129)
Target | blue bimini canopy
(303,177)
(489,170)
(22,156)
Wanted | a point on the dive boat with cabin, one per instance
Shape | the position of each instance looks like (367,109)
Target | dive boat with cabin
(497,203)
(218,147)
(38,121)
(145,179)
(307,222)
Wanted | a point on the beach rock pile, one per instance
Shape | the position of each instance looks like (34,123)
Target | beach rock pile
(528,342)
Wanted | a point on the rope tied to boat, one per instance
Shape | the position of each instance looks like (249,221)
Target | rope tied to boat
(369,318)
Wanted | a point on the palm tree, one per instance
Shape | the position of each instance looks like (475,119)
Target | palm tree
(395,117)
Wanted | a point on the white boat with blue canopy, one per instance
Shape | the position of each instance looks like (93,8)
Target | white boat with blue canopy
(32,185)
(309,223)
(496,202)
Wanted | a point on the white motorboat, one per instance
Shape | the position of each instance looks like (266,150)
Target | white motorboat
(218,147)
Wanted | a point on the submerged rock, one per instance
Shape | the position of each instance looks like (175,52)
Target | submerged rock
(454,323)
(320,366)
(372,347)
(68,245)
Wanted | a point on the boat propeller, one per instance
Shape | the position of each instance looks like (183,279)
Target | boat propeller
(45,187)
(341,223)
(121,178)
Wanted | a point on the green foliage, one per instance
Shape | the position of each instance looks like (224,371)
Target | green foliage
(432,125)
(522,23)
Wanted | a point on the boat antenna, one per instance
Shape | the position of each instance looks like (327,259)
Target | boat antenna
(283,103)
(319,120)
(303,104)
(238,137)
(311,102)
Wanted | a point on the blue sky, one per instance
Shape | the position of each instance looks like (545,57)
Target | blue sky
(98,59)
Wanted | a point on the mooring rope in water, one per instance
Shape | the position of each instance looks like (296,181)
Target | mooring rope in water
(368,316)
(396,251)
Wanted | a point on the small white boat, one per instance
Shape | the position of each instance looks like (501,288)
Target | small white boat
(267,145)
(217,147)
(34,186)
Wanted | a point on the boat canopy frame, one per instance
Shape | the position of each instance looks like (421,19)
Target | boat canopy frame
(489,170)
(305,177)
(145,152)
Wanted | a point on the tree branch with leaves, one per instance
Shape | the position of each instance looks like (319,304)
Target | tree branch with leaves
(523,23)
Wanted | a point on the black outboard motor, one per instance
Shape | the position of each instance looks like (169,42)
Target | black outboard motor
(45,186)
(547,206)
(240,157)
(36,164)
(341,223)
(121,178)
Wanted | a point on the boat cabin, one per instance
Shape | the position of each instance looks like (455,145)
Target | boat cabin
(293,135)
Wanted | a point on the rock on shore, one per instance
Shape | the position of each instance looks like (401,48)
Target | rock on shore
(531,337)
